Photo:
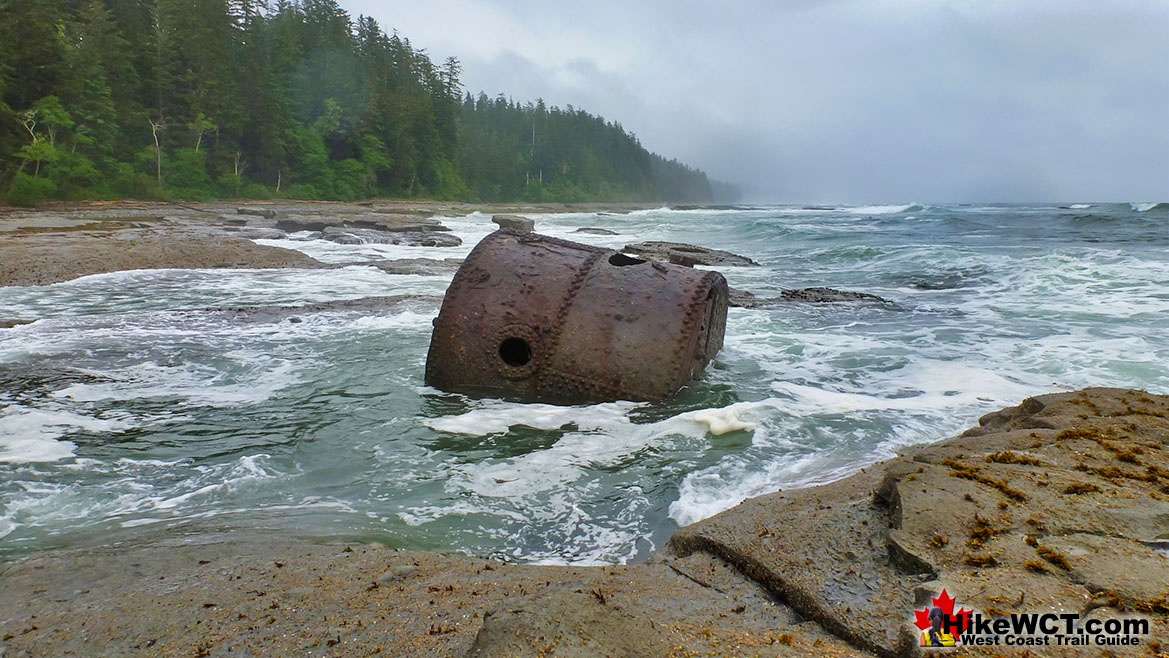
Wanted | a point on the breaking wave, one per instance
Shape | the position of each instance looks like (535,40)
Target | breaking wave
(1149,206)
(883,210)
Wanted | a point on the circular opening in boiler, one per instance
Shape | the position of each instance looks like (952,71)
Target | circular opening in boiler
(515,352)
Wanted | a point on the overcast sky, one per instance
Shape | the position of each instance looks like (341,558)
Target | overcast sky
(864,101)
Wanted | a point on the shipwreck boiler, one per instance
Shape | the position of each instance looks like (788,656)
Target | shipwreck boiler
(539,319)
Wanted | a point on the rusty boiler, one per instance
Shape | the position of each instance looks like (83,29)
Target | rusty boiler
(534,318)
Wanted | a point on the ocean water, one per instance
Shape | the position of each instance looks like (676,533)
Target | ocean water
(129,405)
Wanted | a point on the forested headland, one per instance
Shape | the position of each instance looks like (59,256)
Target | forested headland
(204,99)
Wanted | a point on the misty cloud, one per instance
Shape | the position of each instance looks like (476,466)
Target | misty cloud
(831,101)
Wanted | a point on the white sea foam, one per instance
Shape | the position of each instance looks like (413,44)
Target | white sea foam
(191,383)
(710,491)
(1080,206)
(600,434)
(551,484)
(721,421)
(881,210)
(138,291)
(131,492)
(417,516)
(497,416)
(246,469)
(34,435)
(470,229)
(1145,206)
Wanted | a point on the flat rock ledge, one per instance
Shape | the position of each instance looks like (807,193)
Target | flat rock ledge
(47,258)
(817,295)
(1058,504)
(685,254)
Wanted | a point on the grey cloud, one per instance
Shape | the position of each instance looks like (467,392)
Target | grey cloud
(831,101)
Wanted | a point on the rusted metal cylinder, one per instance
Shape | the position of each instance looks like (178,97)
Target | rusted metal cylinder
(535,318)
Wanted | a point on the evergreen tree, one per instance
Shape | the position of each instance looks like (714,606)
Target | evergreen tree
(294,98)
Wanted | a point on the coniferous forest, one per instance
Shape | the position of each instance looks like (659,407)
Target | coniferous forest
(203,99)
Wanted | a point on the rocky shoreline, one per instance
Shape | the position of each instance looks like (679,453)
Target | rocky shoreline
(1058,504)
(65,241)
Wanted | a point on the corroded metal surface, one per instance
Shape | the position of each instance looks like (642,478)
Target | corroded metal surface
(535,318)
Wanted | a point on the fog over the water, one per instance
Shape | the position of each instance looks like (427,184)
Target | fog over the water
(843,100)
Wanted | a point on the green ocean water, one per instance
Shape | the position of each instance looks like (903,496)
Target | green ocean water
(128,406)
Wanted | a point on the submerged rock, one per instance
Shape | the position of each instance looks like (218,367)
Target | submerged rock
(822,295)
(595,231)
(349,235)
(371,221)
(743,299)
(818,295)
(266,213)
(422,266)
(685,254)
(257,233)
(294,314)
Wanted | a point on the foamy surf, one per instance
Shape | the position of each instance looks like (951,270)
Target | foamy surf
(38,434)
(1147,206)
(130,403)
(721,421)
(883,210)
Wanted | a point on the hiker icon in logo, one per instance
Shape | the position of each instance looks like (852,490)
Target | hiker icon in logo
(934,636)
(939,624)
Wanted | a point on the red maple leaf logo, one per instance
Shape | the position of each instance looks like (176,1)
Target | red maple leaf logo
(946,603)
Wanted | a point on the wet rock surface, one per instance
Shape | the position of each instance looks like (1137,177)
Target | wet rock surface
(1067,495)
(257,233)
(266,213)
(296,313)
(224,594)
(40,247)
(514,222)
(685,254)
(818,295)
(382,222)
(422,266)
(595,231)
(47,258)
(349,235)
(1050,505)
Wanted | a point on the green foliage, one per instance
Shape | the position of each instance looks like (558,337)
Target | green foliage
(73,173)
(29,191)
(244,98)
(186,168)
(348,180)
(254,191)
